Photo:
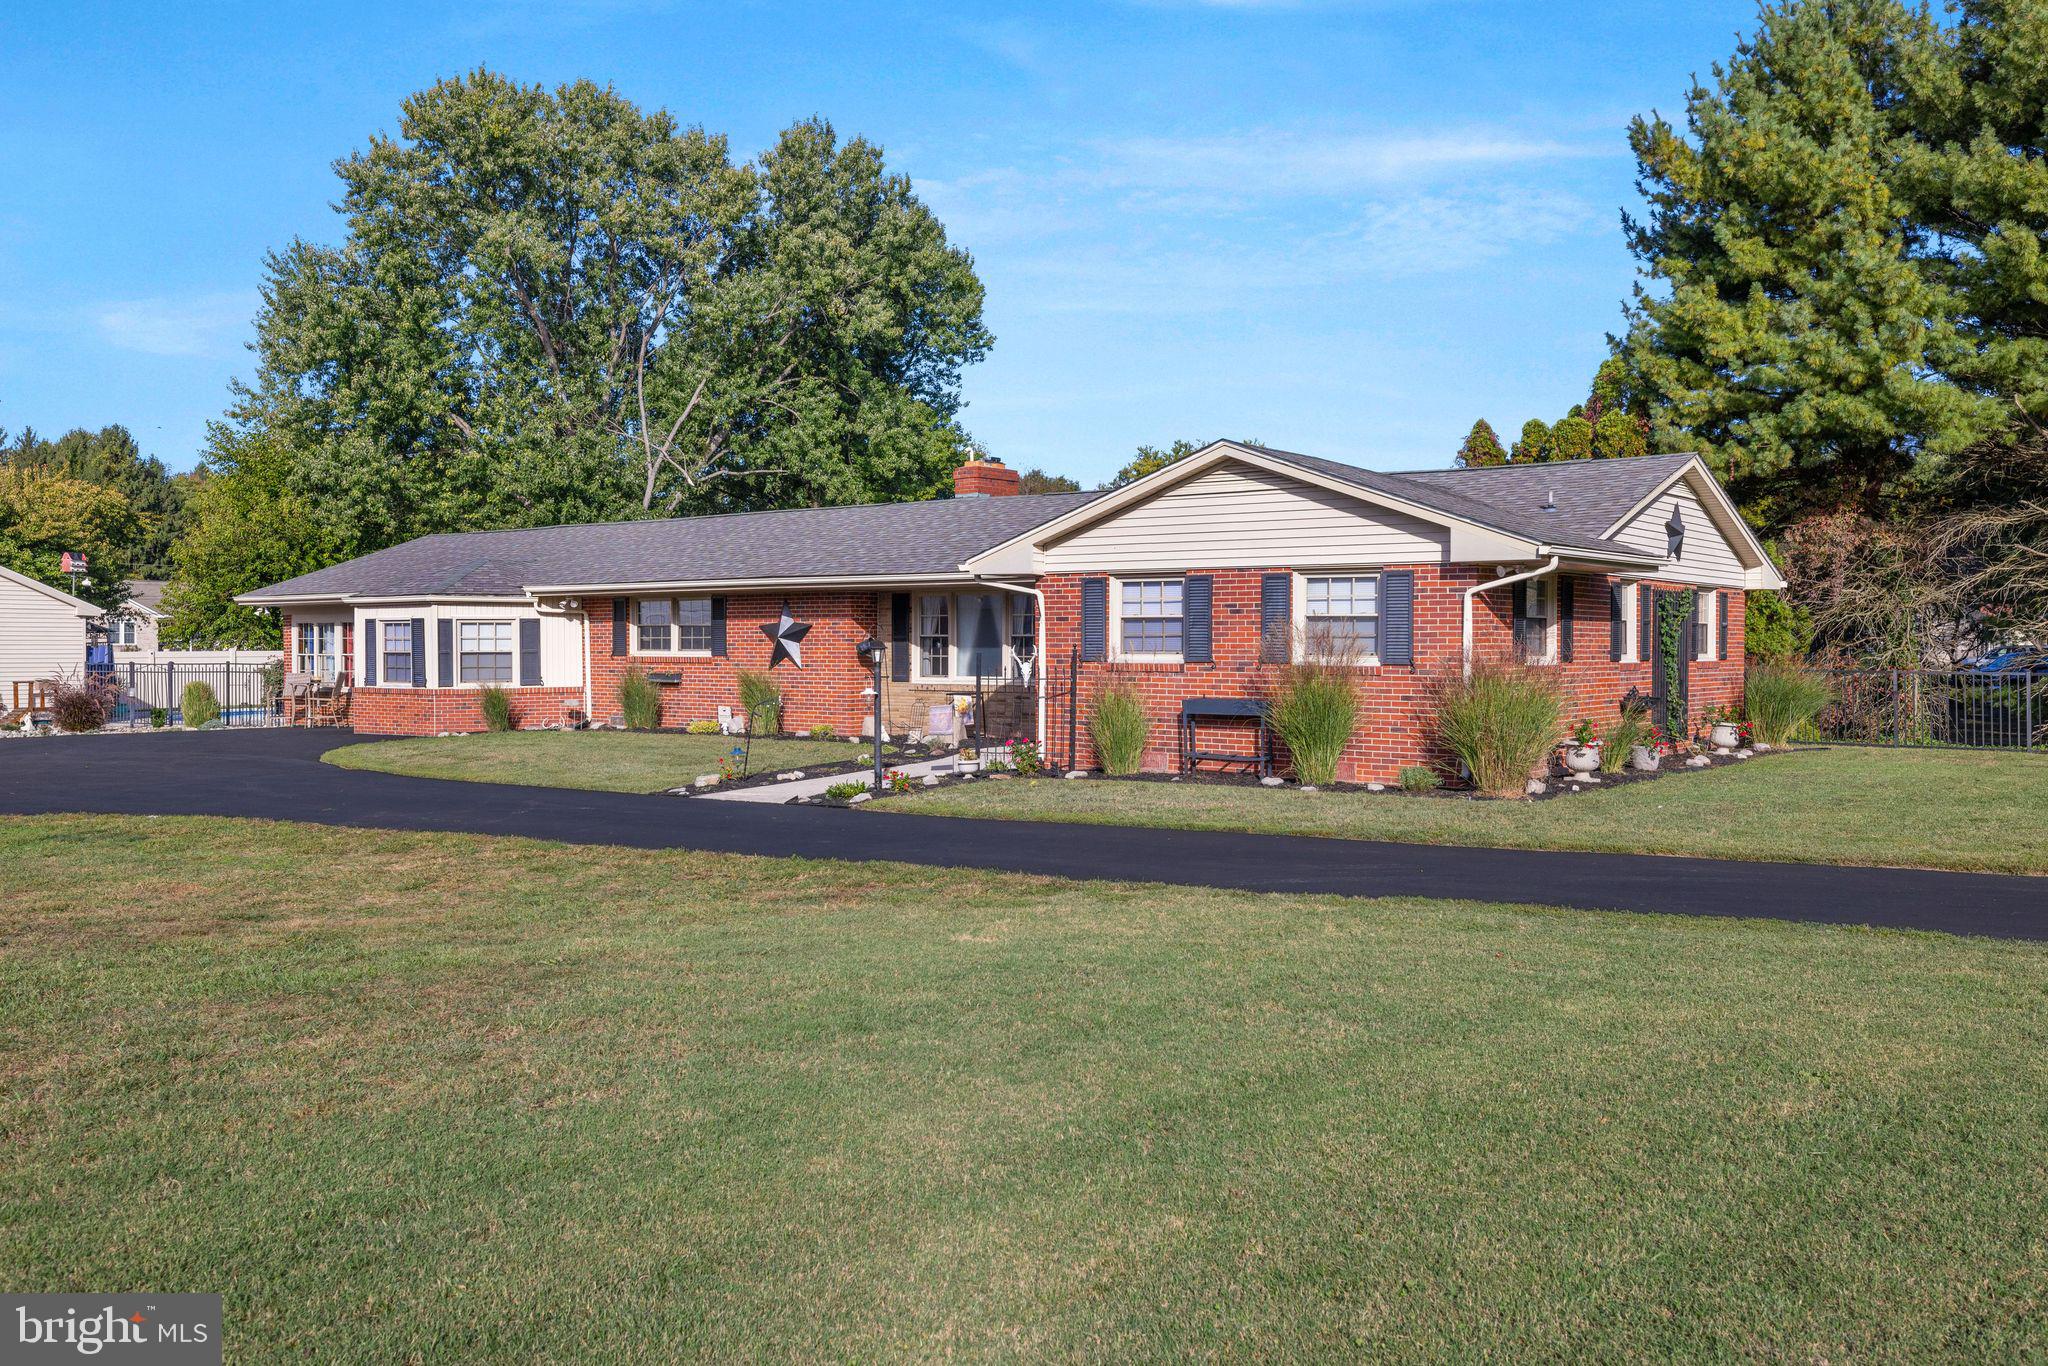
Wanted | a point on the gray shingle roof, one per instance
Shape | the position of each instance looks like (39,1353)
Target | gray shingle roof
(873,539)
(1591,494)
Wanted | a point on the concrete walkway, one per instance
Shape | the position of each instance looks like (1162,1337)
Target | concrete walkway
(278,775)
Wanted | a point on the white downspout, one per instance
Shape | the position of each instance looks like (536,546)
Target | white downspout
(1538,572)
(1039,662)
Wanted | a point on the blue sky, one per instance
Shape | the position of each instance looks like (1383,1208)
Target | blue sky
(1345,228)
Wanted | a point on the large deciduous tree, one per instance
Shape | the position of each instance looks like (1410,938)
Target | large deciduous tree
(111,459)
(45,513)
(551,306)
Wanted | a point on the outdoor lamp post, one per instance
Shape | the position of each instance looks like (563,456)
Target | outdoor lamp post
(870,652)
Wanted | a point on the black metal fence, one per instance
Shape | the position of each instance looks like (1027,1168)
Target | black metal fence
(249,694)
(1933,708)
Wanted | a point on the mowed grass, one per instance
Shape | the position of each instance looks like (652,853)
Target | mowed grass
(435,1097)
(1926,809)
(605,761)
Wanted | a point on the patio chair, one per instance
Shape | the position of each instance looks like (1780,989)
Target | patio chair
(298,698)
(330,702)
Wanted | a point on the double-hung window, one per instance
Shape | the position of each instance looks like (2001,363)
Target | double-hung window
(397,646)
(121,633)
(1631,620)
(935,636)
(1023,632)
(1709,625)
(484,651)
(1341,618)
(319,649)
(1533,626)
(653,629)
(693,625)
(1149,618)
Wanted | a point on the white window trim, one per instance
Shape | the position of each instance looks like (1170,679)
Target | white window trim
(1549,619)
(675,628)
(456,661)
(1707,604)
(1299,598)
(1116,620)
(300,656)
(1631,623)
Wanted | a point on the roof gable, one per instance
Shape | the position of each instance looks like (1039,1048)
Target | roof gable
(79,606)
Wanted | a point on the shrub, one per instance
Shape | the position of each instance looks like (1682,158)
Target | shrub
(821,731)
(1501,720)
(702,728)
(1631,730)
(82,704)
(1782,699)
(761,700)
(1117,725)
(497,705)
(639,700)
(198,704)
(1314,711)
(1416,778)
(839,792)
(158,718)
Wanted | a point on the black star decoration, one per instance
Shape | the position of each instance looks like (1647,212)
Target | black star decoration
(788,635)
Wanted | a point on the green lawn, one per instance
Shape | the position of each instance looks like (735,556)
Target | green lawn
(1933,809)
(434,1097)
(607,761)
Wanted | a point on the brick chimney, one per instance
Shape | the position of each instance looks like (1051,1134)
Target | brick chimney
(986,477)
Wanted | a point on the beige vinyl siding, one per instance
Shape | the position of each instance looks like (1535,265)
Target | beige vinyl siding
(1235,516)
(561,636)
(1708,558)
(40,638)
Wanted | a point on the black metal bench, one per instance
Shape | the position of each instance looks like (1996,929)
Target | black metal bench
(1195,710)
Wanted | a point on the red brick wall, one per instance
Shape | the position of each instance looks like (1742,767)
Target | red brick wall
(826,690)
(1395,700)
(430,711)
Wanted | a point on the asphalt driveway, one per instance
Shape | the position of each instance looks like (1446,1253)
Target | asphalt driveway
(277,774)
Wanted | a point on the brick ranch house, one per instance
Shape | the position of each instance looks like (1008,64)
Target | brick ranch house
(1196,581)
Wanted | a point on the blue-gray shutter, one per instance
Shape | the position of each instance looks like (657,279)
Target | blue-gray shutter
(718,626)
(1721,628)
(1397,617)
(1564,619)
(1094,620)
(419,652)
(1616,626)
(447,653)
(1276,617)
(369,654)
(622,614)
(529,652)
(1197,627)
(899,637)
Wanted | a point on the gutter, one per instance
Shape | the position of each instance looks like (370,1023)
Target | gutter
(1538,572)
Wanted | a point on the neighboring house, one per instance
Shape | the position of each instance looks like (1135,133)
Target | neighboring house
(1198,580)
(42,637)
(133,629)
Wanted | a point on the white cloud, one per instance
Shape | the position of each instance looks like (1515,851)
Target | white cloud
(190,325)
(1299,162)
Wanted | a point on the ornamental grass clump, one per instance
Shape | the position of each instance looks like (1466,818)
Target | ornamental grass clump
(1314,710)
(1117,726)
(761,700)
(1781,699)
(83,704)
(198,704)
(1501,719)
(1623,736)
(497,705)
(639,700)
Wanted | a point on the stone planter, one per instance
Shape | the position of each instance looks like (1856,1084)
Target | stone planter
(1643,759)
(1725,736)
(1582,758)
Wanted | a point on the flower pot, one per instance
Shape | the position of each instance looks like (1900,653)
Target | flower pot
(1643,759)
(1725,736)
(1582,758)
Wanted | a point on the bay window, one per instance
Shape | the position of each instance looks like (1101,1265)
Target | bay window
(1149,617)
(484,651)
